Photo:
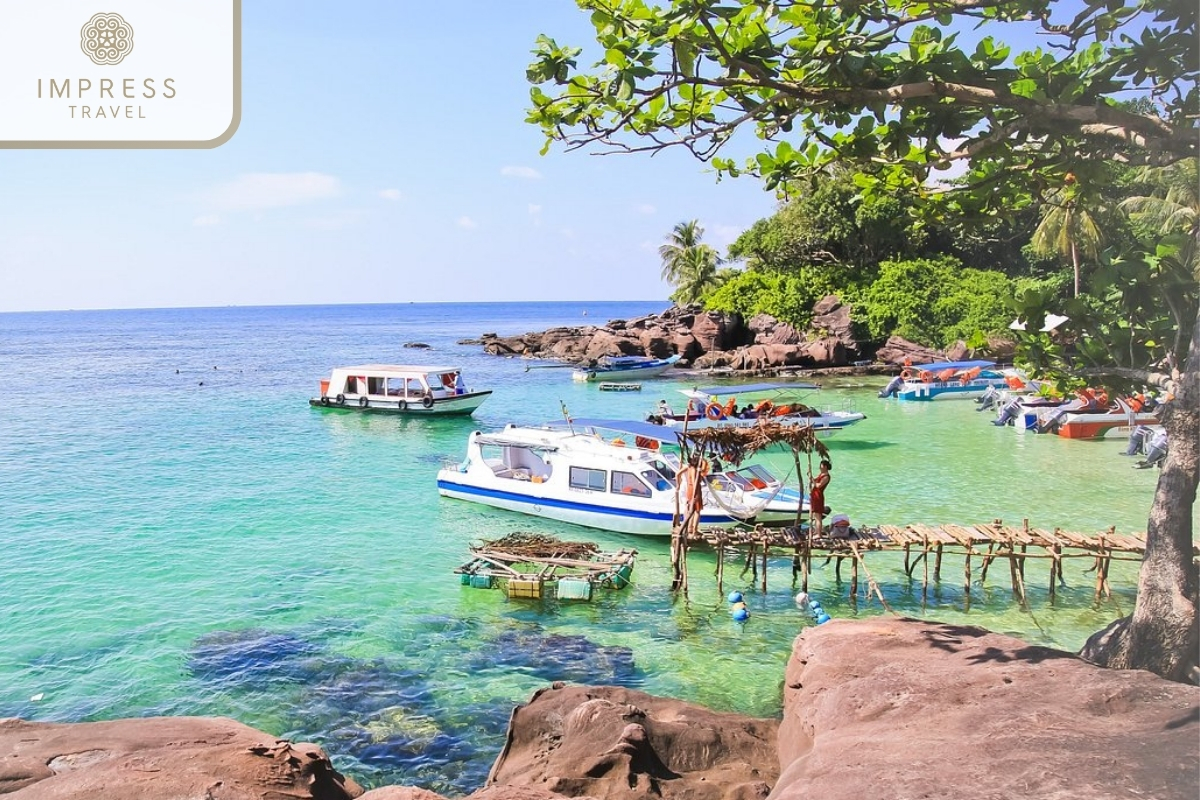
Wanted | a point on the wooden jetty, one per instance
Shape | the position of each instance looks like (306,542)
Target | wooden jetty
(980,545)
(532,566)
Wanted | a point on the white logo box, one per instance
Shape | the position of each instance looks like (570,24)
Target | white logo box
(120,73)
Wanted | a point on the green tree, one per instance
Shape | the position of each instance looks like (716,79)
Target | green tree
(1068,228)
(881,84)
(689,264)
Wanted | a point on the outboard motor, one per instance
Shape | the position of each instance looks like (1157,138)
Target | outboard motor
(893,387)
(1050,422)
(1156,451)
(1137,441)
(1008,412)
(988,399)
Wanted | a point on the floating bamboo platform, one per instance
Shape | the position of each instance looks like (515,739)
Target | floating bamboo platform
(534,566)
(980,546)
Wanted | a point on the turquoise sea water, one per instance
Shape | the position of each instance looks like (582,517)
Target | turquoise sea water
(183,534)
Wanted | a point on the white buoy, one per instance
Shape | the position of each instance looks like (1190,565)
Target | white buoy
(802,599)
(37,697)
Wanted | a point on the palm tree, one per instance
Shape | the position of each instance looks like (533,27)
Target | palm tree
(1173,209)
(688,264)
(1068,228)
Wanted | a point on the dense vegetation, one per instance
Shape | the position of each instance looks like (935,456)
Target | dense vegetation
(1090,136)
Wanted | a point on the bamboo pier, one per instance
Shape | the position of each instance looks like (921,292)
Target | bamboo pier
(979,545)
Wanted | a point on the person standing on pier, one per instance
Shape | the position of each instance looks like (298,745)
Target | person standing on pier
(816,499)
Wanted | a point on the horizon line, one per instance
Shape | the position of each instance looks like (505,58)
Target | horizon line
(327,305)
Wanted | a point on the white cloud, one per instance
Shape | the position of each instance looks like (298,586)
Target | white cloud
(721,236)
(391,194)
(528,173)
(261,190)
(645,208)
(206,220)
(466,222)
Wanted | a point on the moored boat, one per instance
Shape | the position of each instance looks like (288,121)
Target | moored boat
(717,407)
(399,389)
(620,387)
(1085,418)
(571,473)
(624,368)
(950,379)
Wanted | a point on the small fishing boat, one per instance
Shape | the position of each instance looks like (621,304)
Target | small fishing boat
(620,387)
(717,407)
(949,379)
(1085,418)
(399,389)
(624,368)
(626,483)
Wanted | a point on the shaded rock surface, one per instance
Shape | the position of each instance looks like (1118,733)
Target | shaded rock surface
(608,742)
(161,758)
(924,710)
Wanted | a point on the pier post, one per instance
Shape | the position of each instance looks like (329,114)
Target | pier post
(937,565)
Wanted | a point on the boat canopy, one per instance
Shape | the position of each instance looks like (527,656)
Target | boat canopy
(940,365)
(627,360)
(627,426)
(747,388)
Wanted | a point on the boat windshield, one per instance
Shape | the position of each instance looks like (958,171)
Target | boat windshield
(758,476)
(667,467)
(659,481)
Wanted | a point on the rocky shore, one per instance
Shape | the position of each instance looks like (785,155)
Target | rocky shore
(714,340)
(888,707)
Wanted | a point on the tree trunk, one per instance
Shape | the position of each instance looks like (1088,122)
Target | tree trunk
(1075,263)
(1163,633)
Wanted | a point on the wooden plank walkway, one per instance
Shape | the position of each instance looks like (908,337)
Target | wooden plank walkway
(987,542)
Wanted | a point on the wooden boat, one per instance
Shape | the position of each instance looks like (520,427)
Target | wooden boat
(399,389)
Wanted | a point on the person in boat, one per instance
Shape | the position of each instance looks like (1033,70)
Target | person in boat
(664,409)
(747,412)
(714,464)
(816,498)
(460,386)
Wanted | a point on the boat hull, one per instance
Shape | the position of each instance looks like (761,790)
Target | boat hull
(624,374)
(460,405)
(1099,426)
(590,515)
(916,390)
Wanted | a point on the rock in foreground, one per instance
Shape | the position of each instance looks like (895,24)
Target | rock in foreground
(609,743)
(161,758)
(912,709)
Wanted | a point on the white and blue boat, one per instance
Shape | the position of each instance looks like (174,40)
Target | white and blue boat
(743,405)
(946,379)
(614,475)
(624,368)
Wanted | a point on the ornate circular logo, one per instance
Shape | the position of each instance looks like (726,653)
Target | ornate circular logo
(107,38)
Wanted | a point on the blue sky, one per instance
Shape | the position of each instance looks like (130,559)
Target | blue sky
(382,157)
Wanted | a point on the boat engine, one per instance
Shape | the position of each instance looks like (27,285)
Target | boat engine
(988,399)
(1008,412)
(1137,441)
(893,387)
(1156,451)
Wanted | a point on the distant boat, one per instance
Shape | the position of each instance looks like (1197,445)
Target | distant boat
(620,387)
(624,367)
(717,407)
(947,379)
(399,389)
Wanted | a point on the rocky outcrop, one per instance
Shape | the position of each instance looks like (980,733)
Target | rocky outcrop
(900,351)
(162,757)
(947,711)
(703,339)
(613,743)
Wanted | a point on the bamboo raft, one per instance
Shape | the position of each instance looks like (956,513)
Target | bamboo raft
(534,566)
(980,544)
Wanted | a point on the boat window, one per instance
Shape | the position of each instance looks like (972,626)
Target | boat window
(395,387)
(756,472)
(628,483)
(591,479)
(413,387)
(659,481)
(741,481)
(666,469)
(352,385)
(376,385)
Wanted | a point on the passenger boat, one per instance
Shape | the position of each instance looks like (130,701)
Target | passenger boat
(624,368)
(949,379)
(626,483)
(717,407)
(1081,419)
(398,389)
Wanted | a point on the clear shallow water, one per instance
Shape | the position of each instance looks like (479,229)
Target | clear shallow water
(184,535)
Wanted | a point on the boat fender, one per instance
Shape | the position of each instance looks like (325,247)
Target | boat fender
(363,402)
(427,401)
(714,411)
(401,405)
(341,399)
(324,400)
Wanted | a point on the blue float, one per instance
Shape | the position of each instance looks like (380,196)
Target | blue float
(735,597)
(741,614)
(823,618)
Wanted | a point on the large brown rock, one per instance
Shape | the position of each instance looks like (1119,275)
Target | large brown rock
(901,351)
(831,319)
(910,709)
(161,758)
(613,743)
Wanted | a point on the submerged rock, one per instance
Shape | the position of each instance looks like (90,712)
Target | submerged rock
(556,657)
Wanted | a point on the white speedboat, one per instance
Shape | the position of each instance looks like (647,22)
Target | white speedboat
(624,368)
(398,389)
(949,379)
(626,483)
(718,407)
